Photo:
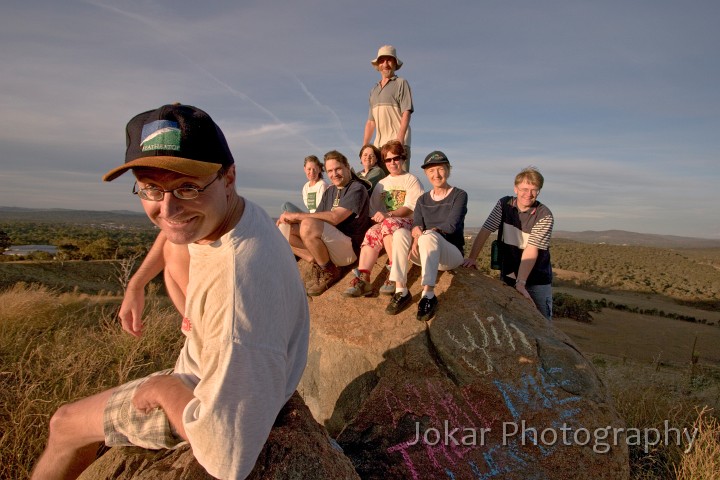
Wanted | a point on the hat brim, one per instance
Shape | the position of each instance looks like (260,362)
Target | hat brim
(433,164)
(183,166)
(397,61)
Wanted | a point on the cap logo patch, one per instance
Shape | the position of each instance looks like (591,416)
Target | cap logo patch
(160,135)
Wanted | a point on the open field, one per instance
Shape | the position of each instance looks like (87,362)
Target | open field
(644,338)
(685,276)
(644,301)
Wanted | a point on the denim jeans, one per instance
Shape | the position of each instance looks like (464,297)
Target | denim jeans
(542,297)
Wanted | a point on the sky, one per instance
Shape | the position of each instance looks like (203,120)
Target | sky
(616,102)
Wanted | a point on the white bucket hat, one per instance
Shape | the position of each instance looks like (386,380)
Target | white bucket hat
(387,51)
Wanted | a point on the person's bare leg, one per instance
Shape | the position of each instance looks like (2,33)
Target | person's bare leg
(177,273)
(76,431)
(297,245)
(368,257)
(311,231)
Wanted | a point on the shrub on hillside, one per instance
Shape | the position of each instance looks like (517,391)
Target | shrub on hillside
(579,309)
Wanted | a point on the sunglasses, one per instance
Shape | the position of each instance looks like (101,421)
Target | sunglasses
(398,158)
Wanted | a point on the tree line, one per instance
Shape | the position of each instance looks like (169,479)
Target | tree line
(77,242)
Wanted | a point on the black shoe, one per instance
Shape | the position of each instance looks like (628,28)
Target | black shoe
(398,302)
(426,308)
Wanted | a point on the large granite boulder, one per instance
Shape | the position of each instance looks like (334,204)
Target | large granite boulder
(487,389)
(298,448)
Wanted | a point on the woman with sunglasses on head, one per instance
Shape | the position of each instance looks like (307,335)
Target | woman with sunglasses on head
(392,202)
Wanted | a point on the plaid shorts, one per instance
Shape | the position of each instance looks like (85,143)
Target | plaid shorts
(124,425)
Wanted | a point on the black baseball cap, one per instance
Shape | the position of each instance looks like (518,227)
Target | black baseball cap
(179,138)
(435,158)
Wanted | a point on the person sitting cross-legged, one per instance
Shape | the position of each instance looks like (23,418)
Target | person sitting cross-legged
(436,241)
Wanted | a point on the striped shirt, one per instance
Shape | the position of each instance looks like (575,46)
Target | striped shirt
(520,229)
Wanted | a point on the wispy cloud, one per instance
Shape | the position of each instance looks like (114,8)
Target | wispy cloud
(616,103)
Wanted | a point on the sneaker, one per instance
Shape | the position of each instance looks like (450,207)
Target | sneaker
(326,278)
(426,308)
(358,286)
(398,302)
(388,288)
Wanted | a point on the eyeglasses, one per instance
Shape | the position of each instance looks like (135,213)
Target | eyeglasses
(154,194)
(525,191)
(398,158)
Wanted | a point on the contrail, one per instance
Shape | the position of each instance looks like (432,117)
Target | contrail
(153,26)
(322,106)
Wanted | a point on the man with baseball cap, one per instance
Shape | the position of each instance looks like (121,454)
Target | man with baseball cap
(244,351)
(390,104)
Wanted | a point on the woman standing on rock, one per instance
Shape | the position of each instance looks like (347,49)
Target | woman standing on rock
(436,241)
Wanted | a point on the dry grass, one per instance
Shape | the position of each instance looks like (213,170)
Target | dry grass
(647,396)
(645,362)
(704,462)
(58,347)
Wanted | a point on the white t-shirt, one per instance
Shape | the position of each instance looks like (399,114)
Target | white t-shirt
(312,195)
(246,328)
(391,193)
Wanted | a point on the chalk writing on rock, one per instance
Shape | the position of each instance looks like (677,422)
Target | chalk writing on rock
(490,333)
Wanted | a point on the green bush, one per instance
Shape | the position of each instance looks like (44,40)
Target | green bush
(579,309)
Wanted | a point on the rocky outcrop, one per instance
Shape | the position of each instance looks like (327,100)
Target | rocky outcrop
(488,389)
(298,448)
(349,338)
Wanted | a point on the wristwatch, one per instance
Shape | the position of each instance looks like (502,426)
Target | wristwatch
(520,282)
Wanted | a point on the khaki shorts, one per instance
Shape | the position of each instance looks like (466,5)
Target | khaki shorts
(124,425)
(339,246)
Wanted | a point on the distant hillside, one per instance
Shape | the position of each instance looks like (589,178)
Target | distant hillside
(621,237)
(73,217)
(139,219)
